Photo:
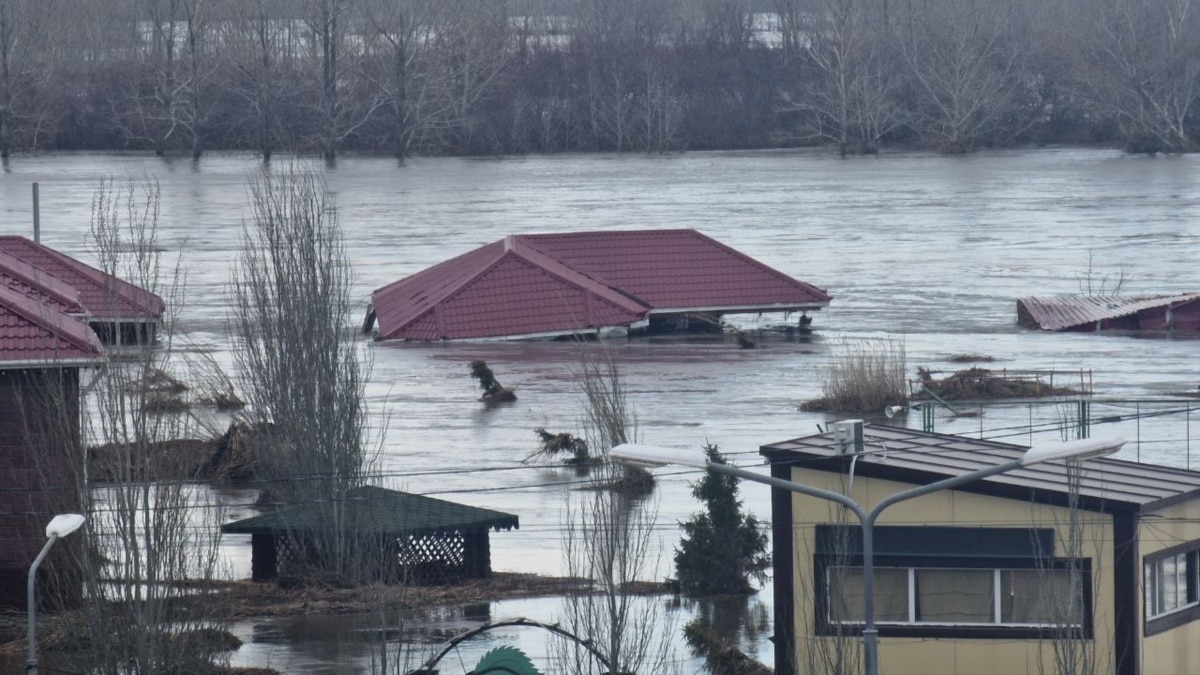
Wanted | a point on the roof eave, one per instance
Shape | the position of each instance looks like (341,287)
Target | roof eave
(744,309)
(987,486)
(72,362)
(549,335)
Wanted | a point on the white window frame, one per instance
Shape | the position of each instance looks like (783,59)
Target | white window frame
(1186,580)
(997,599)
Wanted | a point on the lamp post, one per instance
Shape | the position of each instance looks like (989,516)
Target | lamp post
(649,456)
(59,527)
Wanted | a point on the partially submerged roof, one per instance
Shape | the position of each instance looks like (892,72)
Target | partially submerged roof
(918,457)
(20,276)
(35,334)
(1065,312)
(104,296)
(378,511)
(549,284)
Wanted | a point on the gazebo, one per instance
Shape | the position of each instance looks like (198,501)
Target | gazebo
(428,540)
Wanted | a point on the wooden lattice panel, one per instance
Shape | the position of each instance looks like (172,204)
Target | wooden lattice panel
(433,559)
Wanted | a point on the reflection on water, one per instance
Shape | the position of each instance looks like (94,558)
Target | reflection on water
(362,643)
(931,248)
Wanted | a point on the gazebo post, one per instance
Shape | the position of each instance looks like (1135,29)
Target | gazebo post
(264,558)
(479,554)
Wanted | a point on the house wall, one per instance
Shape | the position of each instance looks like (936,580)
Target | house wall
(1184,316)
(39,424)
(948,656)
(1176,650)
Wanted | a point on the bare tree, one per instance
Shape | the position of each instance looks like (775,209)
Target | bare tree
(256,42)
(613,40)
(1137,63)
(847,95)
(663,108)
(967,74)
(607,539)
(1093,283)
(839,651)
(399,36)
(469,57)
(24,69)
(150,534)
(1074,652)
(197,33)
(301,368)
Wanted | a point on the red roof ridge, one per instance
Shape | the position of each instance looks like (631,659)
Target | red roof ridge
(43,281)
(61,325)
(547,263)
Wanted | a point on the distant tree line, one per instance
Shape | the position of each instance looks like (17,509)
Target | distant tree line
(477,77)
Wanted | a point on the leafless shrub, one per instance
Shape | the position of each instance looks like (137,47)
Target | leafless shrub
(607,538)
(608,418)
(148,532)
(863,377)
(1094,283)
(303,373)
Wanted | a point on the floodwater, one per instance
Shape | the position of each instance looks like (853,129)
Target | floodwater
(927,251)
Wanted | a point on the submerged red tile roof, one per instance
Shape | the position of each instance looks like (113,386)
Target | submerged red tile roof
(104,296)
(33,333)
(546,284)
(31,282)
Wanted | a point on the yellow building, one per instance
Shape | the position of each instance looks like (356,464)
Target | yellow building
(1037,570)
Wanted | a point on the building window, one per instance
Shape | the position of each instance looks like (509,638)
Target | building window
(1172,587)
(1038,597)
(1002,583)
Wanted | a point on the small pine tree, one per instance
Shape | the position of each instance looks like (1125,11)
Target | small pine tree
(722,548)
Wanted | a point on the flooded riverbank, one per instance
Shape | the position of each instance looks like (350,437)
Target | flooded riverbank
(930,250)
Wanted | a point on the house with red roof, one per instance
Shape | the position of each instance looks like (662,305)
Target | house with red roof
(56,315)
(550,285)
(43,349)
(119,312)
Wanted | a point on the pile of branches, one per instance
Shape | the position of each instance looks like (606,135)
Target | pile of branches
(981,383)
(555,445)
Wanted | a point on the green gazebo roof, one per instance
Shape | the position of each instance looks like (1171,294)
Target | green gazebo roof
(376,510)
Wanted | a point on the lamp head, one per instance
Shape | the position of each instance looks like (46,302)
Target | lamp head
(1072,450)
(649,456)
(64,524)
(893,410)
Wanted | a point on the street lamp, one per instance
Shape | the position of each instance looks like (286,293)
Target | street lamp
(59,527)
(650,456)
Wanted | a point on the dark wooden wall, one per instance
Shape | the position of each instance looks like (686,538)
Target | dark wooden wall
(39,437)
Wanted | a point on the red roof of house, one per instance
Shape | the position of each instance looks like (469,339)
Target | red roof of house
(545,284)
(33,333)
(104,296)
(504,288)
(31,282)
